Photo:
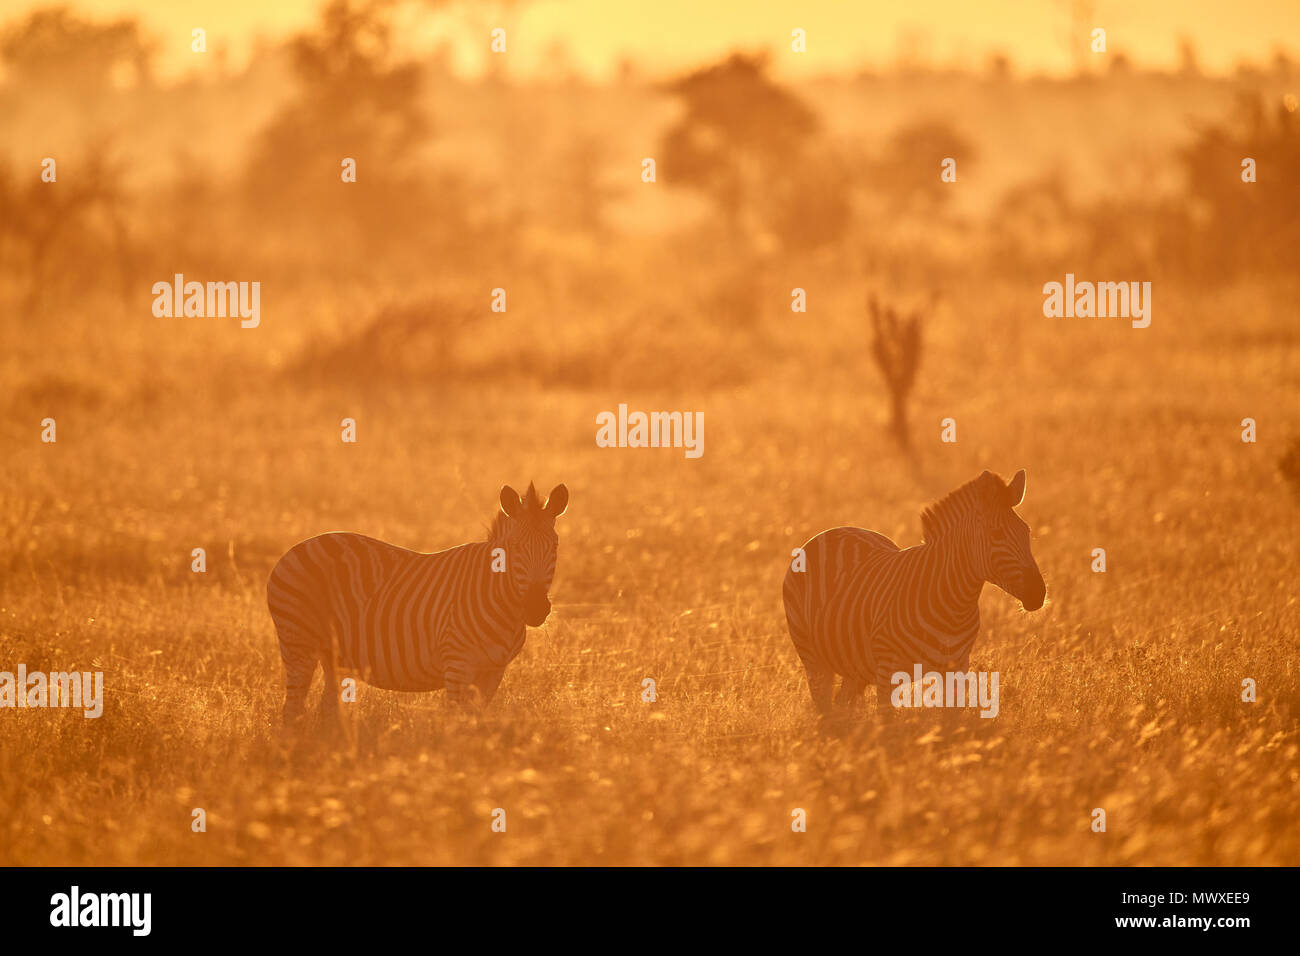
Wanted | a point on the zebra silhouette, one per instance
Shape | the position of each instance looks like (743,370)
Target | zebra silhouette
(403,620)
(863,608)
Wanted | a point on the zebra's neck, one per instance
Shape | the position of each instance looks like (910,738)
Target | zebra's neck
(500,584)
(950,575)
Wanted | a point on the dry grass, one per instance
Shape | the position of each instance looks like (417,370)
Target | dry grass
(1123,693)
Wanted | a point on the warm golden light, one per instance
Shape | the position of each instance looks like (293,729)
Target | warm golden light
(435,433)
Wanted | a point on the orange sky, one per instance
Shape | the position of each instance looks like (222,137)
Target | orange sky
(842,34)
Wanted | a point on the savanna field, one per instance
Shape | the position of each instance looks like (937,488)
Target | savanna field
(1123,693)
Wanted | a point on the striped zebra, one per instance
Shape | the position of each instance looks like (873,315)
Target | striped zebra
(865,609)
(404,620)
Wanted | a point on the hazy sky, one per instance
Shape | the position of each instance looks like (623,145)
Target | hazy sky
(842,34)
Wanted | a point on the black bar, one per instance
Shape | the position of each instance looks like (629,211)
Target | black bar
(650,906)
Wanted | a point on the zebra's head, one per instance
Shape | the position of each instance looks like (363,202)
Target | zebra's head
(530,542)
(1009,564)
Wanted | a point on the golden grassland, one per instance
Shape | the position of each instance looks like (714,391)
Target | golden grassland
(1123,693)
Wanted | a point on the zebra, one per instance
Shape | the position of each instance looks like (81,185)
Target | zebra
(408,621)
(865,609)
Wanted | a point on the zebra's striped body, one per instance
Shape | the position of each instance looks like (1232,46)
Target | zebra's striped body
(408,621)
(865,609)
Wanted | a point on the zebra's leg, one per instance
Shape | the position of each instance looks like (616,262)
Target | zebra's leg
(820,680)
(458,678)
(885,688)
(300,662)
(330,693)
(464,694)
(488,681)
(820,684)
(850,694)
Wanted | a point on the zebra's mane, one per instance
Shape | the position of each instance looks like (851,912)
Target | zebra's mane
(533,510)
(945,513)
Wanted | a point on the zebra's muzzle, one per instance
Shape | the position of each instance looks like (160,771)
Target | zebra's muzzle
(1035,592)
(536,606)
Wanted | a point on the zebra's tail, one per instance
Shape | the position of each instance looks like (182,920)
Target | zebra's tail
(821,679)
(794,596)
(297,627)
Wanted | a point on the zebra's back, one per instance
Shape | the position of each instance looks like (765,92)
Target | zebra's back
(336,572)
(363,605)
(826,608)
(866,609)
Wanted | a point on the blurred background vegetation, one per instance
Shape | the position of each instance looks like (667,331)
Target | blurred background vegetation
(465,185)
(923,302)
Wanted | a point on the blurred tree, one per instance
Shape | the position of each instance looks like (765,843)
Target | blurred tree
(76,230)
(1120,65)
(1077,32)
(1247,225)
(353,101)
(1034,225)
(1189,64)
(999,66)
(756,151)
(57,50)
(908,172)
(581,195)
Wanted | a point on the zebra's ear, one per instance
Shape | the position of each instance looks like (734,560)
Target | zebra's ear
(558,502)
(510,503)
(1016,489)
